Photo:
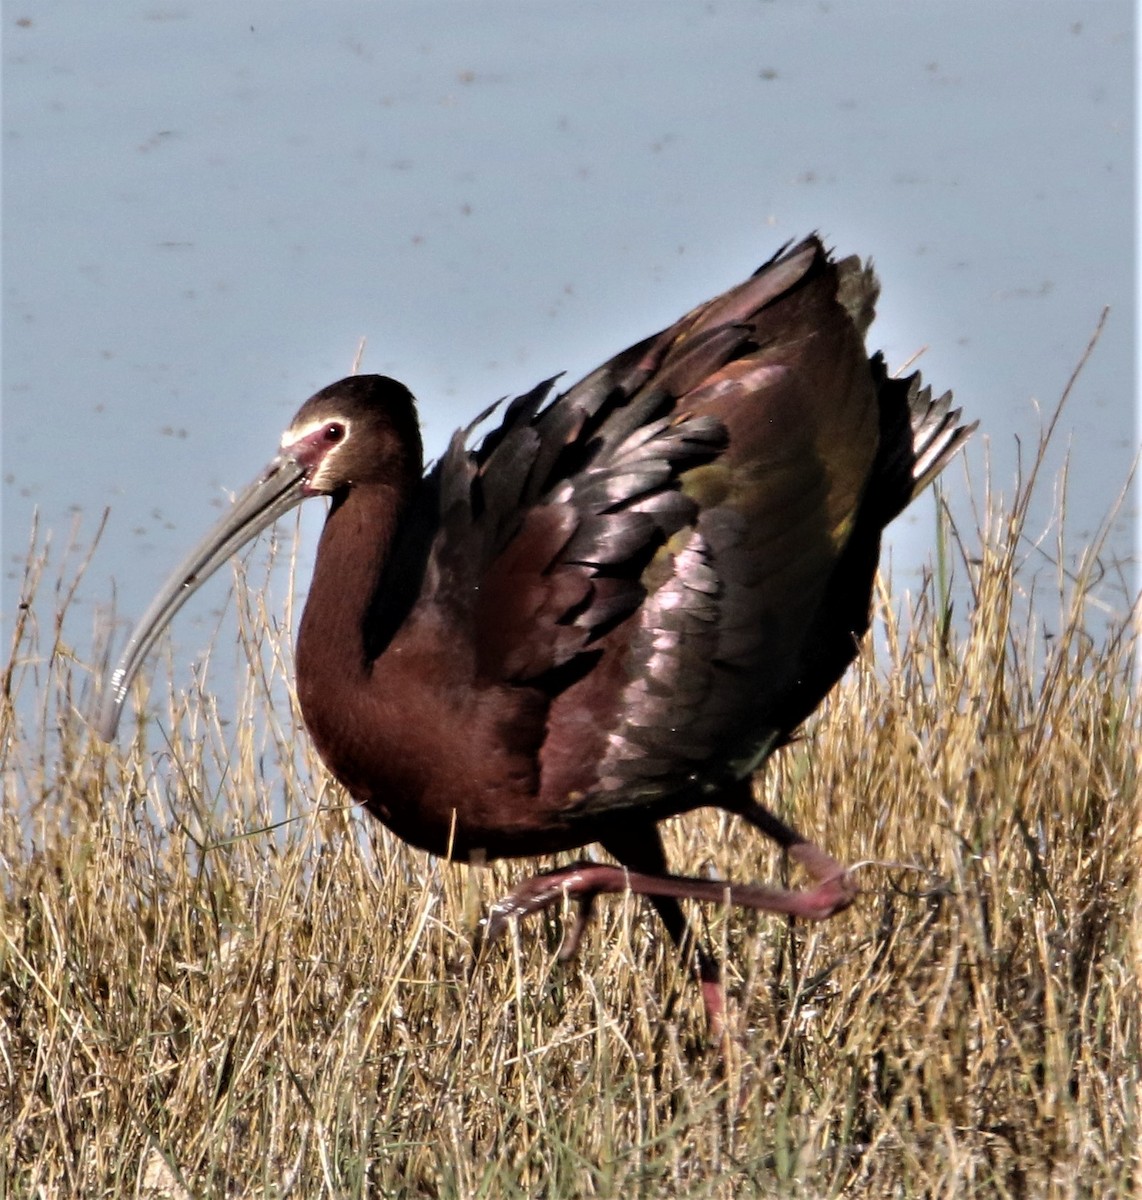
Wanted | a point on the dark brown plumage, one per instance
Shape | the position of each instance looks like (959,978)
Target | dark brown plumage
(615,608)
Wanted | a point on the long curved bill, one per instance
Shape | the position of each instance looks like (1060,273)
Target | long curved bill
(280,487)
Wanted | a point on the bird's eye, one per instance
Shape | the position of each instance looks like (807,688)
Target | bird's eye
(334,431)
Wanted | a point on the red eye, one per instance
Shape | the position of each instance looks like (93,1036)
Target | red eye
(334,432)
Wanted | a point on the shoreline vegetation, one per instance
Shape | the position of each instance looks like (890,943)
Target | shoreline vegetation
(217,977)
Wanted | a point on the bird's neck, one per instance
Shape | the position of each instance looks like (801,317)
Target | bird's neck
(333,654)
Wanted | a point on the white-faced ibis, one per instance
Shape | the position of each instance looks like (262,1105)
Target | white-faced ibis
(617,606)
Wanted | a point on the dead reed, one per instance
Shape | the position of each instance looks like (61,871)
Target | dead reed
(216,978)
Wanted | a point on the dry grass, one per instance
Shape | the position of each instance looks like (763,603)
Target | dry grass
(217,979)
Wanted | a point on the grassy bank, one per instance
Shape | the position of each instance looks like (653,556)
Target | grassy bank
(216,978)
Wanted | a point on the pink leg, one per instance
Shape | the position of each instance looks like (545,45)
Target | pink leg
(645,875)
(835,890)
(642,851)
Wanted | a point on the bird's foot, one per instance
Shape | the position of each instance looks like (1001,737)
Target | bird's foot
(582,880)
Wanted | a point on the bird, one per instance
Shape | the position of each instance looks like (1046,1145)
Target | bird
(611,608)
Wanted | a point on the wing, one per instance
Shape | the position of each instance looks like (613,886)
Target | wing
(656,549)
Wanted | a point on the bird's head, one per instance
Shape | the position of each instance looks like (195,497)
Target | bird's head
(360,431)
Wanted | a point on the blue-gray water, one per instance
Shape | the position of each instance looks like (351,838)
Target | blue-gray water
(207,206)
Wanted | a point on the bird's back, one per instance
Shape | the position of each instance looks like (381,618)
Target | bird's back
(662,571)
